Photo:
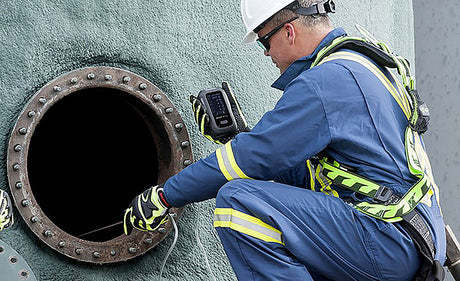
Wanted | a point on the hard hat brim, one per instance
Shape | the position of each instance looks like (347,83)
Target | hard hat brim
(250,37)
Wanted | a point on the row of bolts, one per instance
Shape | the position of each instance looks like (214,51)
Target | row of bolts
(23,131)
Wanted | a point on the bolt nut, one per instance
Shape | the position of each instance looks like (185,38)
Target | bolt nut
(179,126)
(96,255)
(187,162)
(132,250)
(79,251)
(156,97)
(108,77)
(17,148)
(142,86)
(91,76)
(113,252)
(61,244)
(57,88)
(126,79)
(34,219)
(73,80)
(31,113)
(13,259)
(42,100)
(184,144)
(162,230)
(16,167)
(25,203)
(18,185)
(22,131)
(47,233)
(169,110)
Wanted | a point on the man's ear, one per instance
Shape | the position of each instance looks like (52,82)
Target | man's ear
(290,32)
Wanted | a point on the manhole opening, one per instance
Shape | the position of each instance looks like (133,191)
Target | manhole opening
(90,154)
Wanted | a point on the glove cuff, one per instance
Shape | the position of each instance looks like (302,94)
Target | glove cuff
(162,196)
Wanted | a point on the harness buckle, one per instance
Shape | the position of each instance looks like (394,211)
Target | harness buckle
(383,194)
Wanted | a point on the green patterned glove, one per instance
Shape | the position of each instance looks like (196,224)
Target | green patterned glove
(147,211)
(6,211)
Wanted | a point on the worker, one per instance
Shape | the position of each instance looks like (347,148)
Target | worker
(285,207)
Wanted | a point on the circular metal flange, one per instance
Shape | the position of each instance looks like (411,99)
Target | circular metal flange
(176,157)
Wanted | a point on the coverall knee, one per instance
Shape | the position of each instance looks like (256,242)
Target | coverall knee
(273,231)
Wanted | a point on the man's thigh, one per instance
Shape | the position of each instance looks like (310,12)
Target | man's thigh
(330,237)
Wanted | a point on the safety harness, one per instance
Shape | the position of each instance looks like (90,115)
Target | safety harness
(385,204)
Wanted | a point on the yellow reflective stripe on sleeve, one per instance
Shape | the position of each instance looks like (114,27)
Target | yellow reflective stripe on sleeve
(375,70)
(227,163)
(244,223)
(311,175)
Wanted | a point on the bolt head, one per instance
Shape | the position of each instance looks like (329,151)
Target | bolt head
(47,233)
(91,76)
(61,244)
(156,98)
(187,162)
(42,100)
(34,219)
(22,131)
(108,77)
(126,79)
(113,252)
(148,241)
(18,185)
(31,113)
(169,110)
(179,126)
(96,255)
(79,251)
(16,167)
(132,250)
(25,203)
(57,88)
(17,148)
(74,80)
(142,86)
(184,144)
(162,230)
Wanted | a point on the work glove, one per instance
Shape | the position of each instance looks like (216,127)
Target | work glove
(147,212)
(6,211)
(202,119)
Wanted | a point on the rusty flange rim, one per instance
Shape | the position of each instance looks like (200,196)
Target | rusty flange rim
(120,248)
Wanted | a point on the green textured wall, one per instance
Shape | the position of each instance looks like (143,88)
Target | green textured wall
(182,47)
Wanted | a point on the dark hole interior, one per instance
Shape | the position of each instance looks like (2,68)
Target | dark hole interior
(91,154)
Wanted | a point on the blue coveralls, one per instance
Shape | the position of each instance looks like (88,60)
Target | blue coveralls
(277,216)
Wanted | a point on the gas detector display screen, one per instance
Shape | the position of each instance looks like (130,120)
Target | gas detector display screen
(217,104)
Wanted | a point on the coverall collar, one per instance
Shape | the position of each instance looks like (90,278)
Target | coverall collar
(304,63)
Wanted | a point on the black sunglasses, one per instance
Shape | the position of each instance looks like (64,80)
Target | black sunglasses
(263,41)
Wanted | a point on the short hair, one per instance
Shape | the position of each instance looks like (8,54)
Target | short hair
(310,21)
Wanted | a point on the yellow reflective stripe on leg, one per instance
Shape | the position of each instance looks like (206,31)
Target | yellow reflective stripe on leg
(311,174)
(374,69)
(244,223)
(227,163)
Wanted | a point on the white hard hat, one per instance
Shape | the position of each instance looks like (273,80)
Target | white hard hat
(255,12)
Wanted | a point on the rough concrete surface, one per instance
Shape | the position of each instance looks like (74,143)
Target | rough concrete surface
(437,30)
(182,47)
